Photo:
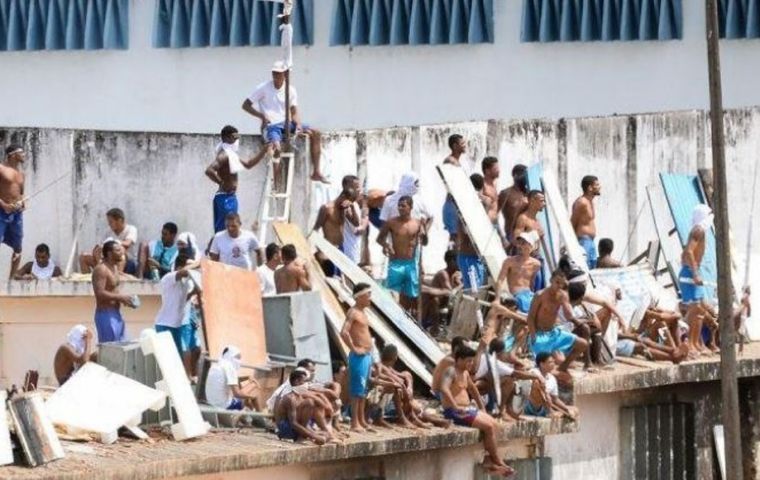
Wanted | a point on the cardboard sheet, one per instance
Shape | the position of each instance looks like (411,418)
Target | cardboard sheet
(383,300)
(232,311)
(485,239)
(290,233)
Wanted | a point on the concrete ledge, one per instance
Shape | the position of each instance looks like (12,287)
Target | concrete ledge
(221,452)
(655,374)
(71,288)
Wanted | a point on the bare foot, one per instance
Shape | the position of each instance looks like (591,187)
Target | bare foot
(317,177)
(382,423)
(358,429)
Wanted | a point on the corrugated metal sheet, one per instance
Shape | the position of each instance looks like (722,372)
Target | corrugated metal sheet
(683,193)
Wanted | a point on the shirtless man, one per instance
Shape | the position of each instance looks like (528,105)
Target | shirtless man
(403,269)
(294,414)
(528,221)
(105,283)
(490,168)
(605,260)
(507,371)
(520,271)
(12,203)
(435,297)
(458,147)
(689,279)
(467,256)
(583,217)
(514,199)
(457,392)
(332,214)
(293,276)
(355,333)
(544,333)
(224,172)
(73,354)
(443,365)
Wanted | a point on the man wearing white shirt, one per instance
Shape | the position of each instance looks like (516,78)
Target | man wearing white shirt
(267,103)
(266,272)
(234,245)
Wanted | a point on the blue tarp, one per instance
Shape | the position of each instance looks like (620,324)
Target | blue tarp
(683,193)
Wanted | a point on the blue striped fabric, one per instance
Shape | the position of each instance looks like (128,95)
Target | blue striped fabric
(601,20)
(411,22)
(223,23)
(64,24)
(739,19)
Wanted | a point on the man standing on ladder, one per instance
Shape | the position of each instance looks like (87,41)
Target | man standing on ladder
(268,103)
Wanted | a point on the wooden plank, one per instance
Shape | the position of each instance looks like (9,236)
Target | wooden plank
(668,255)
(233,312)
(384,331)
(289,233)
(382,299)
(562,217)
(484,237)
(35,430)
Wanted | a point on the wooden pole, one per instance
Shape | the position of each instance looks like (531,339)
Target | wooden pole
(729,384)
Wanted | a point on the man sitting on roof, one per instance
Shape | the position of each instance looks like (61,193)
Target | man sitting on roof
(544,398)
(606,245)
(157,256)
(73,354)
(296,414)
(42,268)
(223,388)
(121,232)
(435,296)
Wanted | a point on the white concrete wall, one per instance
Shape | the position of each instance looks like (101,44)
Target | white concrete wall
(199,90)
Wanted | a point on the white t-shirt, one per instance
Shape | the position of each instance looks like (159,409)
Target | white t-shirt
(129,233)
(503,369)
(236,251)
(271,102)
(551,382)
(221,376)
(266,277)
(173,300)
(352,242)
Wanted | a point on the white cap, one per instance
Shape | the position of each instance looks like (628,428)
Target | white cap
(530,237)
(280,67)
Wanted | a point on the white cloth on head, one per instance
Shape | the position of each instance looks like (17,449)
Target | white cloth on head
(189,239)
(407,187)
(702,216)
(233,159)
(75,338)
(43,273)
(352,242)
(271,101)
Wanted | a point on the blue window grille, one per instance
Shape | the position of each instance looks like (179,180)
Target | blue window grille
(64,24)
(222,23)
(739,18)
(411,22)
(600,20)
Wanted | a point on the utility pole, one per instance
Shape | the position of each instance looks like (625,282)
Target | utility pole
(729,382)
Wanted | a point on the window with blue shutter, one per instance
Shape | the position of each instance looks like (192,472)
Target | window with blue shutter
(233,23)
(600,20)
(64,24)
(411,22)
(739,19)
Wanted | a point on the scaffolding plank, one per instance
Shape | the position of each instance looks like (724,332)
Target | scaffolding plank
(382,299)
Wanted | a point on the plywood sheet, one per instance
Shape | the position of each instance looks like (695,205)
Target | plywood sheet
(232,311)
(562,217)
(290,233)
(482,233)
(382,299)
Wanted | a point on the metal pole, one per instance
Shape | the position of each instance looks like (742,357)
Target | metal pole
(729,384)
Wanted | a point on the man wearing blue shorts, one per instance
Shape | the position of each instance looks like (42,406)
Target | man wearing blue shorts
(108,301)
(583,218)
(267,103)
(176,289)
(355,333)
(12,203)
(690,281)
(545,335)
(403,272)
(519,271)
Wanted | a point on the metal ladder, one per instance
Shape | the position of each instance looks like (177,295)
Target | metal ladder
(275,204)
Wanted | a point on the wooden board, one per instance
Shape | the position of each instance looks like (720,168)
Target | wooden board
(562,217)
(383,300)
(232,311)
(479,227)
(34,429)
(668,254)
(386,333)
(290,233)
